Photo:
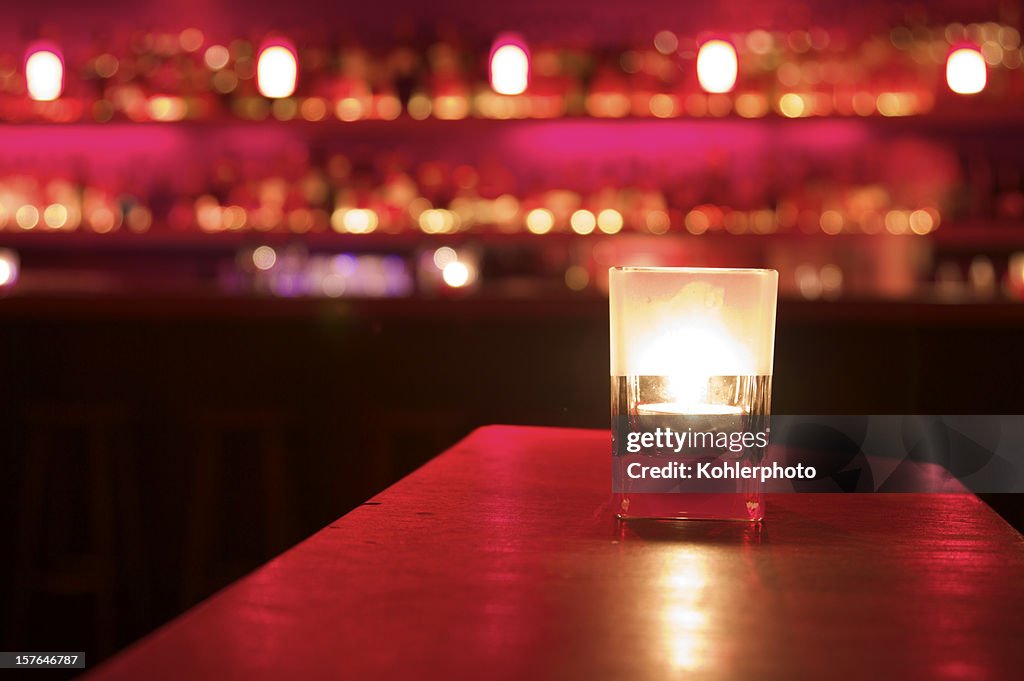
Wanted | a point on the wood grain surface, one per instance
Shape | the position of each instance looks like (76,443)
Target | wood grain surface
(500,559)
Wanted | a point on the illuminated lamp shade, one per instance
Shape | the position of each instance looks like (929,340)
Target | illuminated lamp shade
(509,66)
(717,66)
(965,71)
(44,74)
(276,71)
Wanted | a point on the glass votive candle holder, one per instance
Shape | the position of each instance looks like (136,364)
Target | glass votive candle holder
(691,375)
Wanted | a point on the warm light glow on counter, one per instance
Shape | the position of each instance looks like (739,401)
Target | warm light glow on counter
(686,618)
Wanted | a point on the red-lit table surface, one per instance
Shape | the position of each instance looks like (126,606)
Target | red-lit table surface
(500,559)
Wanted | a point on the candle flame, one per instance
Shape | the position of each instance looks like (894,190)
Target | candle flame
(690,356)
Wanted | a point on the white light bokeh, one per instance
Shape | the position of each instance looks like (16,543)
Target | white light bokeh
(8,267)
(276,72)
(717,66)
(44,76)
(456,274)
(510,69)
(264,258)
(444,256)
(966,72)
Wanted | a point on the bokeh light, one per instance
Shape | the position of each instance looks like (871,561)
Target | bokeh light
(264,257)
(666,42)
(509,67)
(55,216)
(966,73)
(276,71)
(792,105)
(44,75)
(717,66)
(540,221)
(216,57)
(444,256)
(9,266)
(27,216)
(456,274)
(609,221)
(577,277)
(438,221)
(354,220)
(658,222)
(583,222)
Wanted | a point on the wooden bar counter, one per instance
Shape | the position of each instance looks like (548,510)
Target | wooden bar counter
(501,559)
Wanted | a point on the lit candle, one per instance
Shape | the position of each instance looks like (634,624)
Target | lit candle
(691,353)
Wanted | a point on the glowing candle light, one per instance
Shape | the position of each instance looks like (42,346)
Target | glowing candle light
(509,66)
(44,75)
(276,71)
(965,71)
(717,66)
(691,351)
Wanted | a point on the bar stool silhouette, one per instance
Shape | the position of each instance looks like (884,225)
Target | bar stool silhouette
(209,481)
(113,537)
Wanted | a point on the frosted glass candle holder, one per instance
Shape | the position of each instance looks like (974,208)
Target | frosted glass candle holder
(691,352)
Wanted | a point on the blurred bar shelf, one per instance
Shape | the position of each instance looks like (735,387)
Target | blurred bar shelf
(949,236)
(959,120)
